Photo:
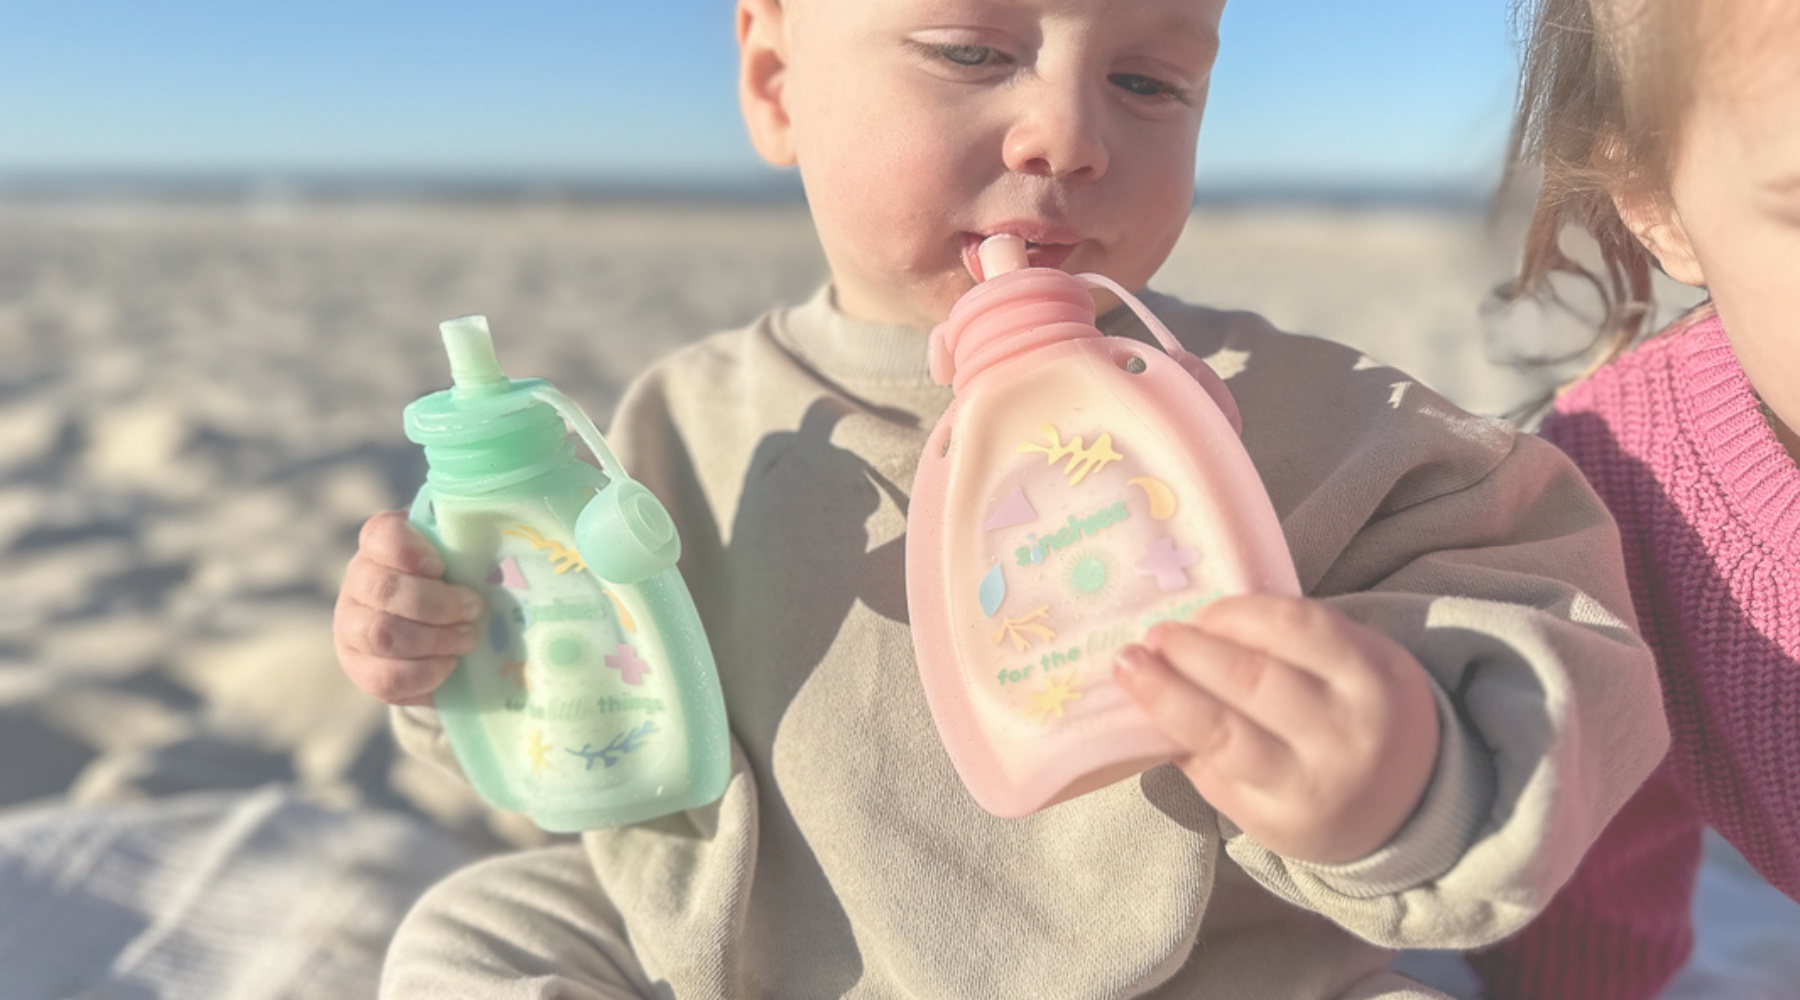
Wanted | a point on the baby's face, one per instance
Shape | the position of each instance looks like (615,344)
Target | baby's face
(922,126)
(1736,191)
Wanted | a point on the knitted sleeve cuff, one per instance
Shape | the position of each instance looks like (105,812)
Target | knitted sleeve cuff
(1439,830)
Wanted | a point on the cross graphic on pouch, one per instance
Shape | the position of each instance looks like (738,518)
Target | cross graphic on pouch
(625,661)
(1168,564)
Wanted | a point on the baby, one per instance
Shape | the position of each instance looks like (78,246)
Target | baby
(1413,755)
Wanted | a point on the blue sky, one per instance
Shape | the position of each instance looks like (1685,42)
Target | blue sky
(1332,93)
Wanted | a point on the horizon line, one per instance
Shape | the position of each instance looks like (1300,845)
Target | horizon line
(224,185)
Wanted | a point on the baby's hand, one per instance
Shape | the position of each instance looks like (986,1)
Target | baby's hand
(1314,734)
(399,627)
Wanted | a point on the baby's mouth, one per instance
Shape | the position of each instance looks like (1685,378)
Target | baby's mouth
(1037,253)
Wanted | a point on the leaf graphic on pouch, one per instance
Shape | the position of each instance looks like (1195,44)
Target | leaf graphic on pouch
(993,591)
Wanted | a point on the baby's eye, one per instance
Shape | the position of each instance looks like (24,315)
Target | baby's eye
(968,55)
(1144,86)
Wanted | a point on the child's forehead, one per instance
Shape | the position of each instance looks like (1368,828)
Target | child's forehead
(1750,45)
(1720,36)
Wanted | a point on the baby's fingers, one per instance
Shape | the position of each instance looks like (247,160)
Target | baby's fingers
(416,598)
(1308,634)
(388,539)
(1220,740)
(397,682)
(1274,693)
(376,632)
(398,661)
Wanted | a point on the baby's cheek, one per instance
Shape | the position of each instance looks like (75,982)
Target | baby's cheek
(896,182)
(893,206)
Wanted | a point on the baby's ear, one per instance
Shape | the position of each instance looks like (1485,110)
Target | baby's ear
(762,78)
(1647,209)
(1652,217)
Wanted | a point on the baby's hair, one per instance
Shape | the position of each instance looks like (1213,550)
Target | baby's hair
(1601,93)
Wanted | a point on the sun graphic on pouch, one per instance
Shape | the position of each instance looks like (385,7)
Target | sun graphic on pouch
(1091,575)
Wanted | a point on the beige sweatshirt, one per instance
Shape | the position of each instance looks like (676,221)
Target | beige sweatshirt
(846,859)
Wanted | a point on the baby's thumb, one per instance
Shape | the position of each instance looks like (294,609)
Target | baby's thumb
(390,539)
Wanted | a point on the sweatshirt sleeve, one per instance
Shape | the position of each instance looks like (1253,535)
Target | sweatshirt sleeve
(1621,929)
(420,732)
(1486,555)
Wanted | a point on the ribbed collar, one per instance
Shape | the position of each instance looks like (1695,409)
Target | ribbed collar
(851,351)
(1760,479)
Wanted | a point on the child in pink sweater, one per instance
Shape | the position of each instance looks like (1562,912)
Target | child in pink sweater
(1670,131)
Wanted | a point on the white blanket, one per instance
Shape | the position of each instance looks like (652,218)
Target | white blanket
(228,895)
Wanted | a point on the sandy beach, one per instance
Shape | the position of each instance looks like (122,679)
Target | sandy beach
(200,404)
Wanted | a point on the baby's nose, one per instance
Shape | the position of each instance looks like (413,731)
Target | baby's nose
(1057,137)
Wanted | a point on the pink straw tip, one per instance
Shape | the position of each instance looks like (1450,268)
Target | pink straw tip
(1002,254)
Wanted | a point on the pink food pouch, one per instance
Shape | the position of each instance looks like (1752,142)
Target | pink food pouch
(1079,489)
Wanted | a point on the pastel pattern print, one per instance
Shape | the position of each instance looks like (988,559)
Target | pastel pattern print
(1078,490)
(592,699)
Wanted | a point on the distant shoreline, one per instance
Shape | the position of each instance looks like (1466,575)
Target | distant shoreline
(773,190)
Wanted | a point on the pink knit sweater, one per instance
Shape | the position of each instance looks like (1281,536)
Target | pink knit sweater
(1708,505)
